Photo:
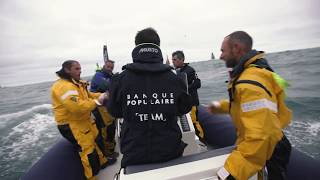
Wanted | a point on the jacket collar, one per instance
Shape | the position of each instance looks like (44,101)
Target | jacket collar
(80,82)
(147,53)
(245,61)
(181,69)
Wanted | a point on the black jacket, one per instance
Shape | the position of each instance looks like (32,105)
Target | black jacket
(194,82)
(149,96)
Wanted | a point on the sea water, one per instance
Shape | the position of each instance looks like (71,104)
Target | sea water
(28,130)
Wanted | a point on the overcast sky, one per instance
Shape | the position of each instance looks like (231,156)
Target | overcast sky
(36,36)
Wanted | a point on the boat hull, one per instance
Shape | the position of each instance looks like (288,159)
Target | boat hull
(62,161)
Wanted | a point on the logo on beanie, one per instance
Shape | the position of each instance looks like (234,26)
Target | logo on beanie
(152,50)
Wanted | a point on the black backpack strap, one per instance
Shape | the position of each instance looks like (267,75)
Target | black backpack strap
(232,89)
(256,83)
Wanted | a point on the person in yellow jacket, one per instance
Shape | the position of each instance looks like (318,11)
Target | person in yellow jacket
(72,105)
(256,105)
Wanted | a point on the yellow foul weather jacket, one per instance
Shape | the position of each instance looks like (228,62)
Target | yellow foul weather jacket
(72,103)
(259,114)
(72,106)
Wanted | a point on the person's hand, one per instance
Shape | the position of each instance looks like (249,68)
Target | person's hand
(102,98)
(107,95)
(213,107)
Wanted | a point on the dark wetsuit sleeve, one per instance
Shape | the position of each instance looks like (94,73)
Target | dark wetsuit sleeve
(195,82)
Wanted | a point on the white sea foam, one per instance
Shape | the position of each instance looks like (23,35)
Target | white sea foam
(27,136)
(305,126)
(303,135)
(314,129)
(7,117)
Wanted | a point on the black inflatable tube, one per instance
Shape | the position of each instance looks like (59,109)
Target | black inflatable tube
(62,161)
(218,129)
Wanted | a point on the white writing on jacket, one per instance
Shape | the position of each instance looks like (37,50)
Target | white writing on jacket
(153,99)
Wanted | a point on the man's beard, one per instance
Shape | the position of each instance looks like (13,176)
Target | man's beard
(231,63)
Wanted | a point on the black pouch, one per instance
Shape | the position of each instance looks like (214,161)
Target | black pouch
(277,164)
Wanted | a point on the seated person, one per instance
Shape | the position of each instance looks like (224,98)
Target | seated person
(149,96)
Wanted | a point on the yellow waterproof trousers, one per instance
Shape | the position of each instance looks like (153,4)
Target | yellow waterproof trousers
(84,138)
(106,125)
(196,124)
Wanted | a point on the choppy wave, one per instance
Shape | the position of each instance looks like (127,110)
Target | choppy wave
(4,119)
(29,136)
(302,135)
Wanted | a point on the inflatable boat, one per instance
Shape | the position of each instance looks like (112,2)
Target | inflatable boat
(198,162)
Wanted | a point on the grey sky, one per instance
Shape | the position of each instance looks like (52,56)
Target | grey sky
(38,35)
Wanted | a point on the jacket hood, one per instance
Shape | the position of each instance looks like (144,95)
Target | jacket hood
(146,67)
(147,53)
(252,57)
(147,57)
